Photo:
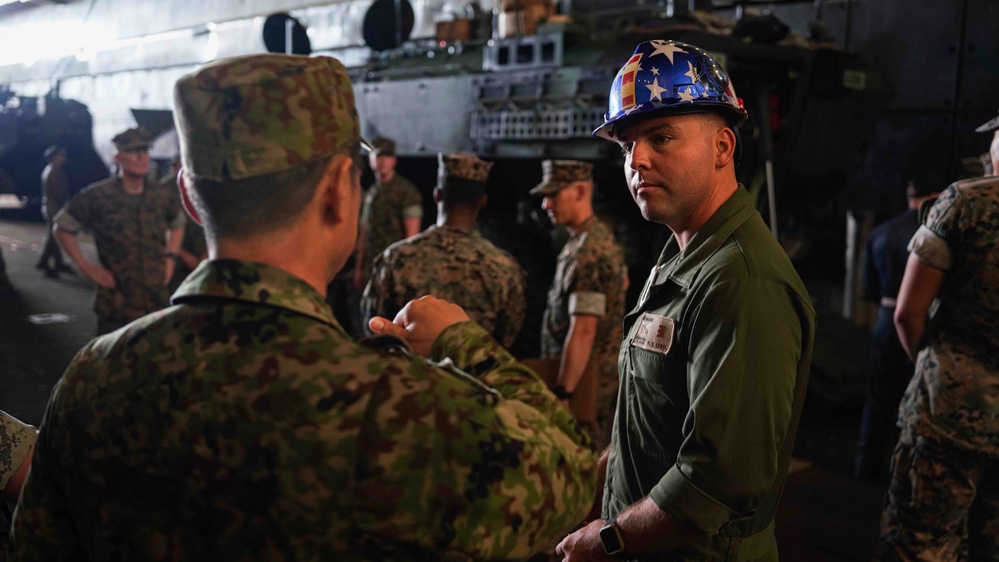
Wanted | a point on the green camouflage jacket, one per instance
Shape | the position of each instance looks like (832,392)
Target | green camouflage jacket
(130,235)
(243,423)
(454,265)
(385,208)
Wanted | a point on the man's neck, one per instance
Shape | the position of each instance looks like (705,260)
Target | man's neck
(132,184)
(385,178)
(718,196)
(460,218)
(576,226)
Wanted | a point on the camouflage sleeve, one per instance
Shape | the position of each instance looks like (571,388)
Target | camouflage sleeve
(588,292)
(941,231)
(376,297)
(535,474)
(75,215)
(511,318)
(42,529)
(16,439)
(412,203)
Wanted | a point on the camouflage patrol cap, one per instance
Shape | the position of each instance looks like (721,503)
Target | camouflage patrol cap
(463,167)
(560,174)
(132,139)
(989,126)
(462,177)
(255,115)
(383,146)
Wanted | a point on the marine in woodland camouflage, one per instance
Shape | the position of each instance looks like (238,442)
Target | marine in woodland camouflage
(591,264)
(130,234)
(953,394)
(385,207)
(454,265)
(272,436)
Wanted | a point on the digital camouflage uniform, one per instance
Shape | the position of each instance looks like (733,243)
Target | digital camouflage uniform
(589,279)
(452,264)
(16,439)
(947,461)
(386,206)
(130,234)
(243,423)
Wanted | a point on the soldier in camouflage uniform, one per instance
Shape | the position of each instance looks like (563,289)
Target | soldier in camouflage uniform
(392,210)
(138,227)
(243,423)
(582,320)
(450,260)
(55,190)
(943,501)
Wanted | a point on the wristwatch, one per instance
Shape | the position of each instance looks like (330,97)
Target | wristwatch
(612,538)
(172,256)
(561,393)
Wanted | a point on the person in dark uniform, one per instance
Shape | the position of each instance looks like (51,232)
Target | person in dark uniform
(884,263)
(55,193)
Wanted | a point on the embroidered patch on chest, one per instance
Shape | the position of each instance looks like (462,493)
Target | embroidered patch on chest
(654,333)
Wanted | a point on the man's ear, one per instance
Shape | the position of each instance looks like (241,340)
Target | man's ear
(338,185)
(185,198)
(724,147)
(438,194)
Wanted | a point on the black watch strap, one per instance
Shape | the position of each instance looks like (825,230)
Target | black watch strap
(562,393)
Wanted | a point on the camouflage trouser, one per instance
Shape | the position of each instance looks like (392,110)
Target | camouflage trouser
(942,505)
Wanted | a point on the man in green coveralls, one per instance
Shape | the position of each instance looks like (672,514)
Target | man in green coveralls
(243,423)
(714,363)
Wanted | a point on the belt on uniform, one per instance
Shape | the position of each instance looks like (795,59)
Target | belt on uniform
(888,302)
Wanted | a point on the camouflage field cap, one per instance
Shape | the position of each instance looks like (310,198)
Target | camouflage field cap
(261,114)
(990,126)
(560,174)
(383,146)
(460,166)
(132,139)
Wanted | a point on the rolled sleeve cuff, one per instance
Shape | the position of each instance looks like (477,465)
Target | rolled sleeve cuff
(68,222)
(931,248)
(590,304)
(412,212)
(676,495)
(178,221)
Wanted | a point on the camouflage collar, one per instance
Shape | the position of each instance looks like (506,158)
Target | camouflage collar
(256,283)
(586,226)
